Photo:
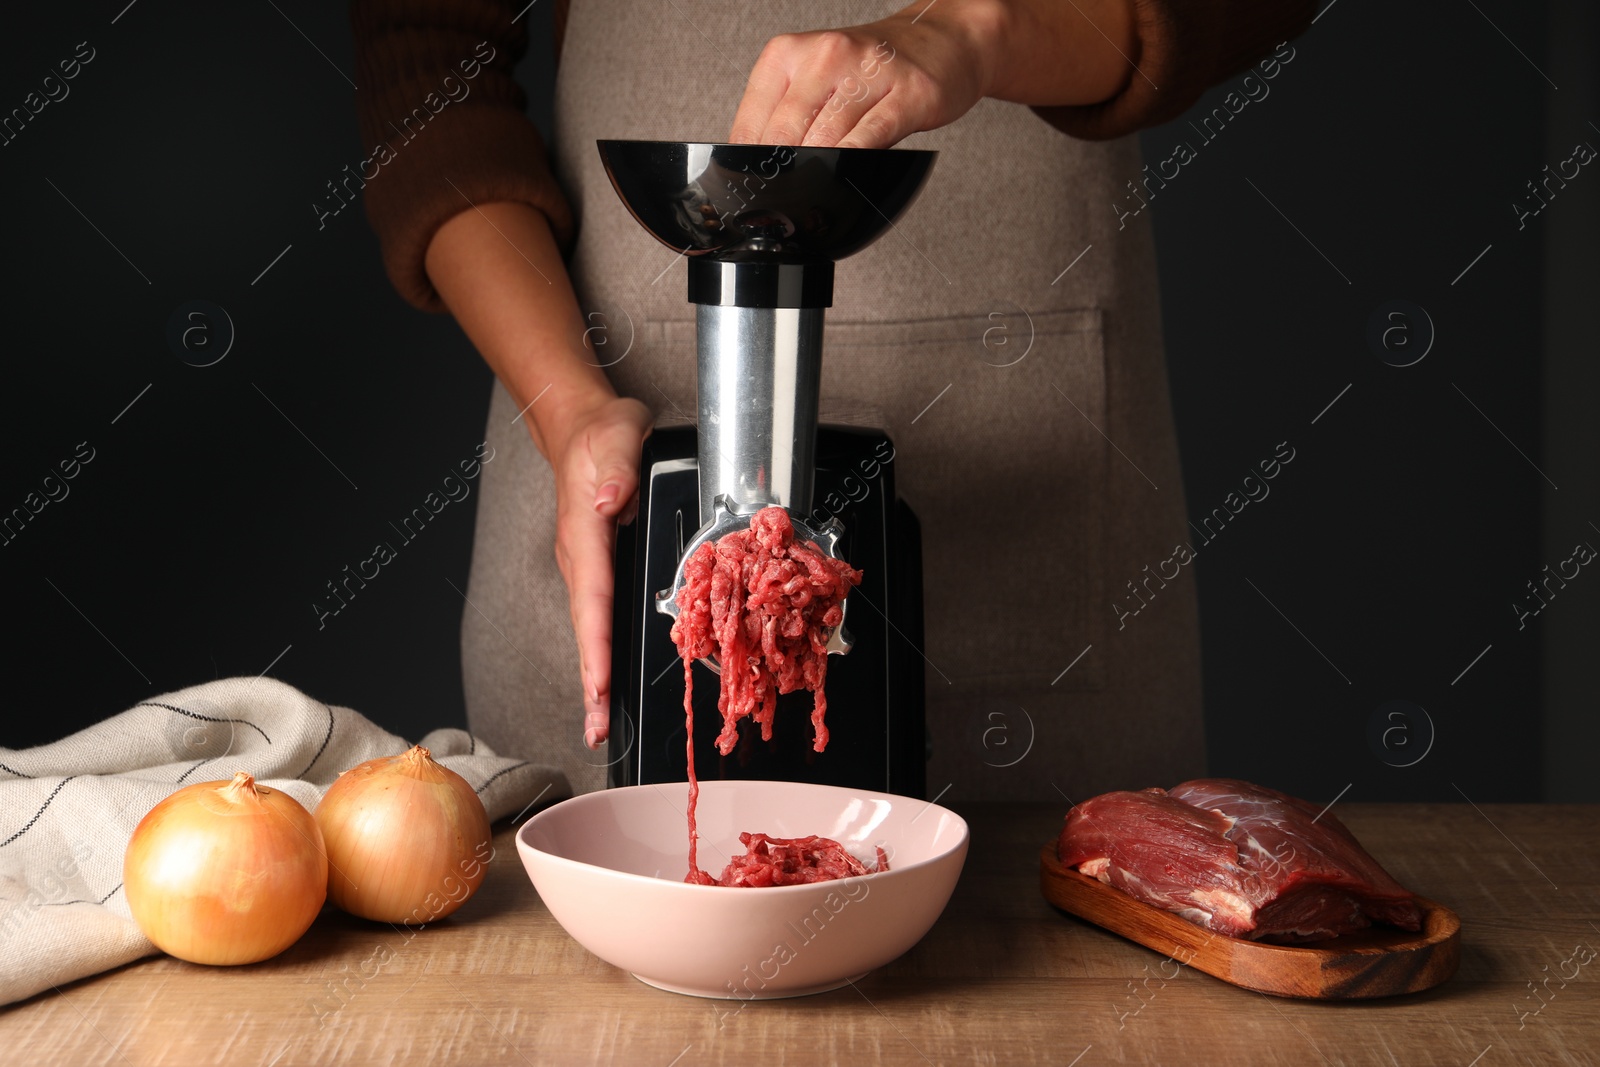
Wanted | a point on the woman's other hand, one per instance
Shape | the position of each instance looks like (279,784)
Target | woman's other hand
(596,465)
(499,271)
(925,66)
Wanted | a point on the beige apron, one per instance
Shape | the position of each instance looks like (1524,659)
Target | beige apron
(1007,336)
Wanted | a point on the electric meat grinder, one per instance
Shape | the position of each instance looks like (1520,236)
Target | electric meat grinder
(761,227)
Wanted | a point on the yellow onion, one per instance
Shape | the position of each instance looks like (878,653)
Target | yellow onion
(225,872)
(408,839)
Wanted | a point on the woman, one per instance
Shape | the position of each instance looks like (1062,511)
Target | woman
(1006,334)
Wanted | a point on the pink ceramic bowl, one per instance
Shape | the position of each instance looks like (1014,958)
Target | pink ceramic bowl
(610,866)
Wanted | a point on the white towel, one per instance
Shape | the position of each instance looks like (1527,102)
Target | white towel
(67,809)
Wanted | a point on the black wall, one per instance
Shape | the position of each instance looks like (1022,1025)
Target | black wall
(1390,148)
(216,507)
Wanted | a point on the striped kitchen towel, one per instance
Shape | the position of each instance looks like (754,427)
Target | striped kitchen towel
(67,809)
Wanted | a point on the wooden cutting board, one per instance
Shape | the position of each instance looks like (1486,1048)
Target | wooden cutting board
(1378,962)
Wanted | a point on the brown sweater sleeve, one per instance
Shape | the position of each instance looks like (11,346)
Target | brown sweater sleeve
(1184,47)
(443,126)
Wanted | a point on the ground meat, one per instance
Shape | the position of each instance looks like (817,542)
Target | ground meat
(764,605)
(794,861)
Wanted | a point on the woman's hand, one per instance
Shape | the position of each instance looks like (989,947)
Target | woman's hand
(864,86)
(596,464)
(927,65)
(498,269)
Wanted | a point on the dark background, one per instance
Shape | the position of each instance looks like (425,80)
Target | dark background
(1386,558)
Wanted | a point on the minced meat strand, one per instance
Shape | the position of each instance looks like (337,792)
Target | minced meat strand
(764,605)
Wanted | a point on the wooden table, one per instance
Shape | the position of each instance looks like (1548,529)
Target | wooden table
(1003,978)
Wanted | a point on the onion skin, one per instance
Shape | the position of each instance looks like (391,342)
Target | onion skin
(225,872)
(408,840)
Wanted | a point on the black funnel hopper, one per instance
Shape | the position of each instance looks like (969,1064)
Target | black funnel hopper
(774,204)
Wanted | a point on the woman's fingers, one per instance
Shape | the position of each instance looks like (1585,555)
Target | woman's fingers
(599,484)
(617,483)
(837,116)
(870,86)
(886,123)
(812,88)
(824,94)
(585,547)
(769,80)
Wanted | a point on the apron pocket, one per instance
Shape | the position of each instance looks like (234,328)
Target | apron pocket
(996,422)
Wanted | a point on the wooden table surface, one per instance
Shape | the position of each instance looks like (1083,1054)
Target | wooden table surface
(1002,978)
